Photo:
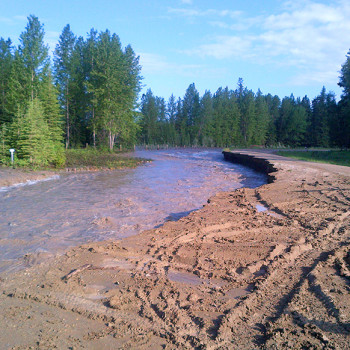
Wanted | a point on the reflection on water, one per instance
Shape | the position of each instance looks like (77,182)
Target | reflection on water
(50,216)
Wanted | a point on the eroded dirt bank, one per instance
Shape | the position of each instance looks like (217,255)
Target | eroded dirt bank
(10,177)
(255,268)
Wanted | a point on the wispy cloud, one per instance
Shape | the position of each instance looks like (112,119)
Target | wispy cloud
(224,47)
(191,12)
(12,20)
(309,36)
(20,18)
(313,13)
(157,64)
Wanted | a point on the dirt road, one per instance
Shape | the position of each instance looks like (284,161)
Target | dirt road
(261,268)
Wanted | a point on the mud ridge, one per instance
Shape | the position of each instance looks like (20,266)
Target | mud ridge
(257,163)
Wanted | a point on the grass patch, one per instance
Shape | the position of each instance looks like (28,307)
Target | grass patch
(331,157)
(92,158)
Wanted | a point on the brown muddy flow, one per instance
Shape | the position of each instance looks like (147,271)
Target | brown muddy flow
(44,219)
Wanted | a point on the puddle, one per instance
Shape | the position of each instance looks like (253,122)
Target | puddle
(98,291)
(184,277)
(236,293)
(122,264)
(262,209)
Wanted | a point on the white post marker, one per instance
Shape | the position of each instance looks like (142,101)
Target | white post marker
(12,151)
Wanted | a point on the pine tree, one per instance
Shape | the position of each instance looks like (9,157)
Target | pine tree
(34,138)
(90,60)
(6,59)
(17,94)
(171,117)
(344,79)
(273,104)
(115,85)
(190,113)
(161,121)
(206,120)
(3,142)
(333,117)
(63,74)
(34,55)
(292,122)
(149,112)
(180,124)
(262,119)
(28,69)
(246,102)
(343,134)
(53,118)
(80,100)
(320,120)
(226,118)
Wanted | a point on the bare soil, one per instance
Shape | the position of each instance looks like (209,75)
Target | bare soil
(10,176)
(264,268)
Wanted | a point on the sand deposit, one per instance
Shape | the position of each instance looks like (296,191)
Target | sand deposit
(261,268)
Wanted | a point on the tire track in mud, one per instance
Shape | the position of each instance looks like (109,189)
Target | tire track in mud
(296,264)
(272,297)
(322,323)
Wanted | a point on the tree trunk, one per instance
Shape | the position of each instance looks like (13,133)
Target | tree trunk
(67,118)
(93,131)
(111,138)
(32,85)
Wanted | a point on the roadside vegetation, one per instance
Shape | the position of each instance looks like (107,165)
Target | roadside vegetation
(90,158)
(88,96)
(82,159)
(331,157)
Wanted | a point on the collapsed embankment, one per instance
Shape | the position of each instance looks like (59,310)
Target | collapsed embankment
(254,268)
(262,165)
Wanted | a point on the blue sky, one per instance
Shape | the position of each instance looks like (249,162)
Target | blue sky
(279,46)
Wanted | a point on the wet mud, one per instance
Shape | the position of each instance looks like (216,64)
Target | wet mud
(263,268)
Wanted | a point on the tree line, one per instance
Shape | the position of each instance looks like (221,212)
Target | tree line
(241,117)
(87,96)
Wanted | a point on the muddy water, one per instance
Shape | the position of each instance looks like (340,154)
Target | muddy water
(41,220)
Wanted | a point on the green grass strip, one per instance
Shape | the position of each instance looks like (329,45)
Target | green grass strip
(330,157)
(93,158)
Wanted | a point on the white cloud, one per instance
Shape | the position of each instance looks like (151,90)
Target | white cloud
(309,36)
(224,47)
(188,12)
(12,20)
(6,20)
(21,18)
(152,63)
(157,64)
(322,76)
(313,13)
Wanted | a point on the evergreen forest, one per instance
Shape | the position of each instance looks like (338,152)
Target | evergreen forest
(242,118)
(88,94)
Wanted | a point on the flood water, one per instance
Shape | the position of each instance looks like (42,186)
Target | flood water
(46,218)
